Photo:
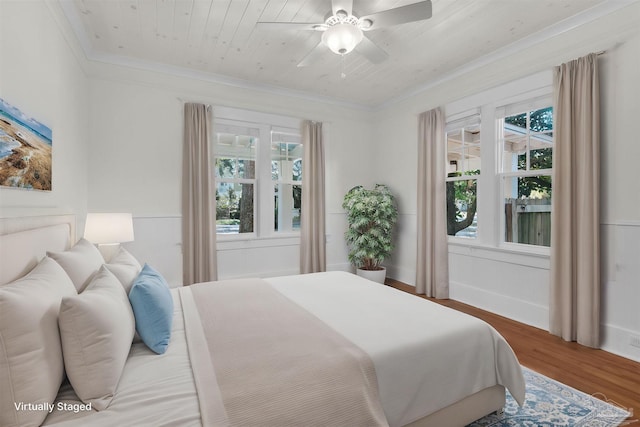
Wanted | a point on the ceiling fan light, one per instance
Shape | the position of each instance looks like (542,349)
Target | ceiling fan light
(342,38)
(366,23)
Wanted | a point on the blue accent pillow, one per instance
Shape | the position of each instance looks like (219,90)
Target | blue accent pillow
(152,306)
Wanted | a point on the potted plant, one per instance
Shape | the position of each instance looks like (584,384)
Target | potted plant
(371,215)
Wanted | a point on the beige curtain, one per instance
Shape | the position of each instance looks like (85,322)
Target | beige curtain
(312,221)
(198,197)
(574,297)
(432,267)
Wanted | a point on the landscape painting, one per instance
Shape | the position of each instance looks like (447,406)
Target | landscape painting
(25,150)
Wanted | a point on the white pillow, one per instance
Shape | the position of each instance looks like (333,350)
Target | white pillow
(31,363)
(80,262)
(96,328)
(125,267)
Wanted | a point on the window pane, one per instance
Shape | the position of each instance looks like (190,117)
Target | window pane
(515,149)
(235,155)
(246,168)
(528,141)
(297,170)
(541,154)
(454,150)
(527,207)
(517,121)
(234,208)
(287,206)
(286,161)
(541,158)
(225,167)
(541,120)
(463,150)
(462,218)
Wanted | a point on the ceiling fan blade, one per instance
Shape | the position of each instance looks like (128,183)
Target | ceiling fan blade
(371,51)
(399,15)
(310,26)
(314,55)
(346,5)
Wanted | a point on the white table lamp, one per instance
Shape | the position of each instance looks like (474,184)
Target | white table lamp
(108,230)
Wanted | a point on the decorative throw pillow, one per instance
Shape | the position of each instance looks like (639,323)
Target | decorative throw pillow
(125,267)
(31,364)
(152,305)
(96,328)
(80,262)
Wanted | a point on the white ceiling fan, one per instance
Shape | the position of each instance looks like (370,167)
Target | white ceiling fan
(343,32)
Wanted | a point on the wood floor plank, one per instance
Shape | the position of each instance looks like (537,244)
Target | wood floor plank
(595,372)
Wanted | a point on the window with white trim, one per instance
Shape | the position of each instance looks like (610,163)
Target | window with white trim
(235,170)
(258,175)
(286,173)
(463,171)
(525,141)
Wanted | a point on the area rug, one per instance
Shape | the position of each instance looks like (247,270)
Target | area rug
(549,403)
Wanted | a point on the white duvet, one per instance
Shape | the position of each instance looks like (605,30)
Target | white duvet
(426,356)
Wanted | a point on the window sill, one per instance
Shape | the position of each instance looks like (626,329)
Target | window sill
(243,242)
(537,257)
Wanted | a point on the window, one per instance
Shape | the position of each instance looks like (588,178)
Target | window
(235,171)
(499,168)
(258,174)
(286,173)
(525,139)
(463,157)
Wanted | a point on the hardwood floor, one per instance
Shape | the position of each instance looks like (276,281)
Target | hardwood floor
(595,372)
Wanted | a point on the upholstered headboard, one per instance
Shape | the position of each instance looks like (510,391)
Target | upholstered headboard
(25,241)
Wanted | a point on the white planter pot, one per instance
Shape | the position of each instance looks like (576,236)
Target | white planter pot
(373,275)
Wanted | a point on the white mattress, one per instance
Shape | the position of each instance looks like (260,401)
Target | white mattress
(426,356)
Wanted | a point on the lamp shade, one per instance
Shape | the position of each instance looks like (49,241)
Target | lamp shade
(103,228)
(342,38)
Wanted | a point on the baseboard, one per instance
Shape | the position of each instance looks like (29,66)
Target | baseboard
(616,340)
(512,308)
(404,275)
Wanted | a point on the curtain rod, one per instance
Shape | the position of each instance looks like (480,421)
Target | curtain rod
(184,101)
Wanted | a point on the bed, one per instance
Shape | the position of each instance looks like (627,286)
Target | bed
(319,349)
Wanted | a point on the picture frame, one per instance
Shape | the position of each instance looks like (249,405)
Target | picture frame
(25,150)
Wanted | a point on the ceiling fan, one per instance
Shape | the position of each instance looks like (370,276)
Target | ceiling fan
(343,32)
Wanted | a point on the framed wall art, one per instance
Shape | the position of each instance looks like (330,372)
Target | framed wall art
(25,150)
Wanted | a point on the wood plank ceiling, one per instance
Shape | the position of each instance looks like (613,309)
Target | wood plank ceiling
(221,37)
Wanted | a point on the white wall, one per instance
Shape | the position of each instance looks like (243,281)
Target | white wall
(135,164)
(516,285)
(620,193)
(40,74)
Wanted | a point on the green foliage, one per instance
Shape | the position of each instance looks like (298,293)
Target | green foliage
(371,215)
(461,193)
(539,121)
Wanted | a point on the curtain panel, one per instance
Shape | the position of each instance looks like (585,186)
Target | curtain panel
(199,263)
(574,297)
(432,266)
(312,221)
